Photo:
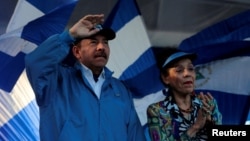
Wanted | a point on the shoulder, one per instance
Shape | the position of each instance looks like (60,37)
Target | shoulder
(118,82)
(155,106)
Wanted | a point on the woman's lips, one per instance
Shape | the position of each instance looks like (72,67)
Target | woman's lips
(188,82)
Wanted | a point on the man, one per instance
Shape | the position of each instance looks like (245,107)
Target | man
(82,102)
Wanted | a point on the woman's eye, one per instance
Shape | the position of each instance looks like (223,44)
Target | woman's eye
(191,68)
(178,69)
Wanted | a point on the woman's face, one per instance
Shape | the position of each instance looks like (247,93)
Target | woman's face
(181,76)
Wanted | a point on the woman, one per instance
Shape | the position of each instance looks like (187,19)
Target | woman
(182,115)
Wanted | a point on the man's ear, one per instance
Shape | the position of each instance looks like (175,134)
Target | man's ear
(76,51)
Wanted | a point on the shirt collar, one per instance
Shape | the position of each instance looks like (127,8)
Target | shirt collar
(88,72)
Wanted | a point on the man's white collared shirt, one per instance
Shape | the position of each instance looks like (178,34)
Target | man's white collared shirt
(96,86)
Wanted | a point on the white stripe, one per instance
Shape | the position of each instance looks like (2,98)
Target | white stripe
(229,75)
(12,44)
(24,13)
(142,104)
(130,42)
(247,122)
(12,103)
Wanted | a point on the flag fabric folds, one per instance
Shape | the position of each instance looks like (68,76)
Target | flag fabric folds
(31,23)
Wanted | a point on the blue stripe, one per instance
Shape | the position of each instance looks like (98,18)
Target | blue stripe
(145,74)
(123,12)
(219,51)
(10,70)
(235,28)
(47,6)
(40,29)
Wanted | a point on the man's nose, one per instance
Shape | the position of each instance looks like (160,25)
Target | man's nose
(100,46)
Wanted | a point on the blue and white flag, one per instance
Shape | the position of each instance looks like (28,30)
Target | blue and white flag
(222,66)
(32,22)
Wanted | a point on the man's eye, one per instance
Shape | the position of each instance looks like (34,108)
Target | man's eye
(106,42)
(93,41)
